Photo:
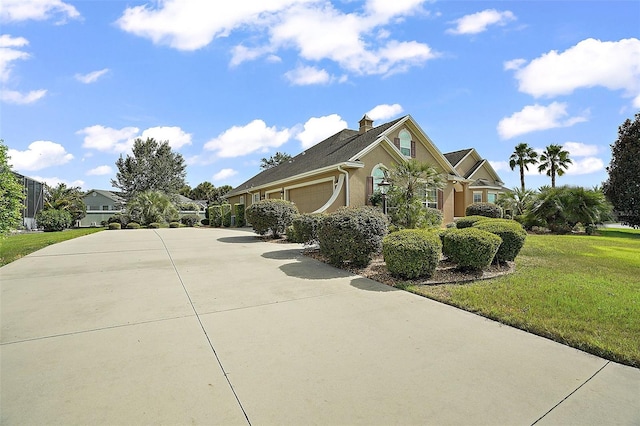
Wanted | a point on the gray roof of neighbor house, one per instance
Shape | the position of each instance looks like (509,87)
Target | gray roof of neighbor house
(334,150)
(112,195)
(456,156)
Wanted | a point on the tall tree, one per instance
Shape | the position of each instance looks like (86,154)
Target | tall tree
(153,166)
(11,194)
(67,198)
(152,206)
(555,161)
(623,186)
(522,157)
(204,191)
(275,160)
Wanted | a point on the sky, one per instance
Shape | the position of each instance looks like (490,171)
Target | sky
(230,83)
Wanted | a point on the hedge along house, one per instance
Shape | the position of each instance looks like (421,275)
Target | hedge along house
(346,168)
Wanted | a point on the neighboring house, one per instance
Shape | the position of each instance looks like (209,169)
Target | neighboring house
(346,168)
(33,201)
(101,205)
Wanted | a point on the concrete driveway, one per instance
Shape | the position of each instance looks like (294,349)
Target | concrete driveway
(212,326)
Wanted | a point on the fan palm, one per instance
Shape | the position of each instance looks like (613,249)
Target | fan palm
(522,157)
(554,160)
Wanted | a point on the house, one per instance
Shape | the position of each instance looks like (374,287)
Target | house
(346,168)
(33,200)
(101,205)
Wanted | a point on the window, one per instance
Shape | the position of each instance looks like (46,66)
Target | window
(429,196)
(378,176)
(477,197)
(256,197)
(105,208)
(405,143)
(492,197)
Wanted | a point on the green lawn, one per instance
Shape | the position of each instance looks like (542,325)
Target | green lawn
(14,247)
(583,291)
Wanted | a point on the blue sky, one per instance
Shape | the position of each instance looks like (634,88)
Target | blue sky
(230,84)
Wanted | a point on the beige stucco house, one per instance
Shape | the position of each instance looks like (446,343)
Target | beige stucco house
(346,168)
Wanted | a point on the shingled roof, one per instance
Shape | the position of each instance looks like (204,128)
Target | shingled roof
(335,150)
(457,156)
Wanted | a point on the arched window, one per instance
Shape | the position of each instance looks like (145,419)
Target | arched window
(405,142)
(378,174)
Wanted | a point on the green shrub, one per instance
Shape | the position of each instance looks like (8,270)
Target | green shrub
(153,225)
(115,225)
(484,209)
(226,215)
(239,212)
(133,225)
(412,253)
(511,233)
(204,222)
(471,248)
(304,228)
(121,218)
(468,221)
(215,216)
(271,215)
(53,220)
(174,225)
(190,219)
(432,218)
(352,235)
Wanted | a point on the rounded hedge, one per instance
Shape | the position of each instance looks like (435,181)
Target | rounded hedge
(484,209)
(115,225)
(133,225)
(468,221)
(471,248)
(304,228)
(352,235)
(153,225)
(511,233)
(412,253)
(53,220)
(174,225)
(190,219)
(271,215)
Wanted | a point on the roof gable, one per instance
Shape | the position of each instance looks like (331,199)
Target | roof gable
(457,156)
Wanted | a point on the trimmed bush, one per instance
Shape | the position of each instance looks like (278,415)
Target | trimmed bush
(511,233)
(133,225)
(190,219)
(205,222)
(174,225)
(412,253)
(239,212)
(468,221)
(115,225)
(153,225)
(215,216)
(352,235)
(432,218)
(304,228)
(53,220)
(471,248)
(226,215)
(271,215)
(121,218)
(484,209)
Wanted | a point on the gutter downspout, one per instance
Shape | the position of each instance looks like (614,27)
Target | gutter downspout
(346,188)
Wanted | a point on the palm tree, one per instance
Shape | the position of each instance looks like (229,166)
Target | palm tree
(516,200)
(151,206)
(522,156)
(555,161)
(68,198)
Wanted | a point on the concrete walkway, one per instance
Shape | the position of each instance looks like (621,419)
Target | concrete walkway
(210,326)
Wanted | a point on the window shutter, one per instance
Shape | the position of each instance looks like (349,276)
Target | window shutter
(396,142)
(413,149)
(369,190)
(440,199)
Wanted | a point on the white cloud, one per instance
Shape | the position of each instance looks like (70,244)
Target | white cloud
(39,155)
(537,117)
(614,65)
(514,64)
(304,75)
(15,97)
(579,149)
(175,135)
(38,10)
(107,139)
(480,21)
(54,181)
(315,28)
(384,111)
(585,166)
(91,77)
(317,129)
(242,140)
(100,171)
(224,174)
(9,53)
(500,165)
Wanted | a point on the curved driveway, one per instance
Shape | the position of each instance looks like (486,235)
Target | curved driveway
(213,326)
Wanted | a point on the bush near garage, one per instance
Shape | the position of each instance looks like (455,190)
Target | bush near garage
(240,216)
(215,216)
(304,228)
(412,253)
(352,235)
(471,248)
(484,209)
(512,234)
(271,216)
(226,215)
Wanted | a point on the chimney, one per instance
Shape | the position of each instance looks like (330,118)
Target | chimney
(366,124)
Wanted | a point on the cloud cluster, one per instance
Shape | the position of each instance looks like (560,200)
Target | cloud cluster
(479,22)
(537,117)
(11,51)
(108,139)
(38,10)
(39,155)
(91,77)
(583,157)
(316,29)
(252,137)
(385,111)
(100,171)
(317,129)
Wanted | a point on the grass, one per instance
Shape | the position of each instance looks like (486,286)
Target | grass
(583,291)
(13,247)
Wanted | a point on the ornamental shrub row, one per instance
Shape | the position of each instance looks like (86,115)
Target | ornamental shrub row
(511,233)
(412,253)
(470,248)
(484,209)
(271,216)
(304,228)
